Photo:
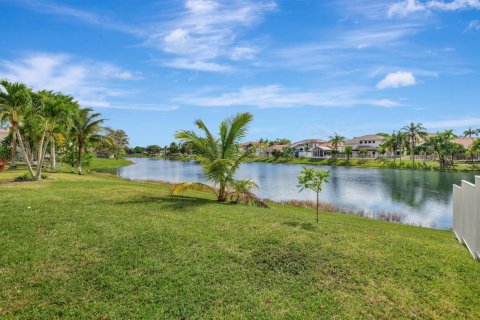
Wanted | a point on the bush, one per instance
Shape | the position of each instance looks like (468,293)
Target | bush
(28,177)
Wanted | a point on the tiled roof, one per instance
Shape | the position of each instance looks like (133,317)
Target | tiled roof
(317,141)
(367,137)
(466,142)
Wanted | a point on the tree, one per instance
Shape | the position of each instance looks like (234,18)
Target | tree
(173,149)
(363,153)
(219,157)
(85,130)
(413,133)
(348,151)
(153,150)
(335,141)
(15,99)
(441,144)
(313,179)
(470,132)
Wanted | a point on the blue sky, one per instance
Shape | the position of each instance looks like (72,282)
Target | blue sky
(304,68)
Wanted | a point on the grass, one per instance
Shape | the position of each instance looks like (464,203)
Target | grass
(97,247)
(372,163)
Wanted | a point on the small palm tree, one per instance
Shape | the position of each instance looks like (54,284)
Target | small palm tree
(219,157)
(413,133)
(85,130)
(348,152)
(335,141)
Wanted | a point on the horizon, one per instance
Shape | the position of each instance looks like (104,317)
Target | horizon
(303,69)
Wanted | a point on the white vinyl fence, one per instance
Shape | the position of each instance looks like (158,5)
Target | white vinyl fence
(466,215)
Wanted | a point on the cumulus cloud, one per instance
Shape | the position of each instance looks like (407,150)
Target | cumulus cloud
(396,80)
(276,96)
(406,7)
(91,82)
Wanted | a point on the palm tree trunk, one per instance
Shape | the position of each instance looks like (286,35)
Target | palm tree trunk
(317,206)
(13,163)
(22,147)
(221,192)
(41,159)
(53,159)
(80,152)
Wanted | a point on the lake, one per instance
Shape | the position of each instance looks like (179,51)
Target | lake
(421,198)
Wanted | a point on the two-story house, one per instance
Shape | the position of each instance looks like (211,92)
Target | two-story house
(370,143)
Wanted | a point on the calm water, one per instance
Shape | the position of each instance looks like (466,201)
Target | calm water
(420,197)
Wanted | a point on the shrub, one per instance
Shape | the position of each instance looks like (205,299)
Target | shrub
(28,177)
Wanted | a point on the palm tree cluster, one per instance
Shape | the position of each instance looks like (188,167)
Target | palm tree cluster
(44,122)
(414,139)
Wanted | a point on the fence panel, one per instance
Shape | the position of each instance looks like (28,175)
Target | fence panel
(466,215)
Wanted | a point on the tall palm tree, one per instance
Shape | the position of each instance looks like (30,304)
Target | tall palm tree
(470,132)
(335,141)
(413,133)
(220,157)
(85,129)
(14,100)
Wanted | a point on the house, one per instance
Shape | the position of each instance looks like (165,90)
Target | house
(259,151)
(312,148)
(3,134)
(370,143)
(271,150)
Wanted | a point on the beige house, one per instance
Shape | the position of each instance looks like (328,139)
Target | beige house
(371,143)
(312,148)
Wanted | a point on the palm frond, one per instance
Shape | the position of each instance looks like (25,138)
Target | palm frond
(179,188)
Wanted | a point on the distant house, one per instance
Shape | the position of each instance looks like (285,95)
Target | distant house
(3,134)
(370,143)
(259,152)
(465,142)
(312,148)
(276,147)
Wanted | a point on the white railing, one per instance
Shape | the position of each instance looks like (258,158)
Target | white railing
(466,215)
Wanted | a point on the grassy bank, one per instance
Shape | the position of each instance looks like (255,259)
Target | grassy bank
(371,163)
(100,247)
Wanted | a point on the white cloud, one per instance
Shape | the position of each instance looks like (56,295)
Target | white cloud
(474,25)
(88,81)
(208,30)
(396,80)
(275,96)
(406,7)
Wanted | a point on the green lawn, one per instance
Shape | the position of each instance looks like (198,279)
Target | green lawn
(96,247)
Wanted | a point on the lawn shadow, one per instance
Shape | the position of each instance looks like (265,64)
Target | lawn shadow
(173,203)
(305,225)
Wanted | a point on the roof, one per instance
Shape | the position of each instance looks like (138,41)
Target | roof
(466,142)
(279,147)
(250,143)
(317,141)
(356,140)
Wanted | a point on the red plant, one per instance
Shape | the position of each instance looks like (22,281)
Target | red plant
(2,165)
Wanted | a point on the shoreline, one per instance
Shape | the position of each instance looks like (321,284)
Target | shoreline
(406,164)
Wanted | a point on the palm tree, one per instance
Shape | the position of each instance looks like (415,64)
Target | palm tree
(470,132)
(335,141)
(86,126)
(413,133)
(220,157)
(14,100)
(348,152)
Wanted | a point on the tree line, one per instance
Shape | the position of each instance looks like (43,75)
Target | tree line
(46,122)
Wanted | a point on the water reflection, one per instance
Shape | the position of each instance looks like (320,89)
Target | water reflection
(421,197)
